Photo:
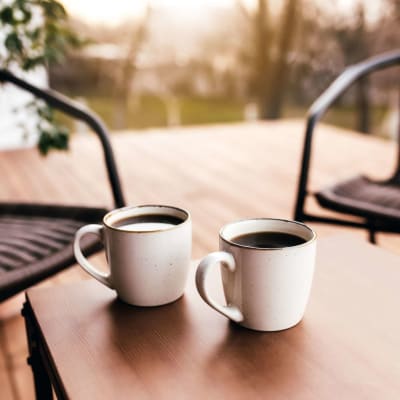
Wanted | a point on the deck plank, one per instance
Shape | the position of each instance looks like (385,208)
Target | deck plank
(220,173)
(6,384)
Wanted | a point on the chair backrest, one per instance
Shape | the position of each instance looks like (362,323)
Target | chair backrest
(350,75)
(67,106)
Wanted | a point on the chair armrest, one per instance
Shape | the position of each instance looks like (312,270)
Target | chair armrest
(324,101)
(347,78)
(71,108)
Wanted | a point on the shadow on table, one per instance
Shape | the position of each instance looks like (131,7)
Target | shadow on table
(243,353)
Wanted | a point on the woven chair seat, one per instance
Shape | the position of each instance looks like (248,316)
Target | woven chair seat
(36,242)
(363,197)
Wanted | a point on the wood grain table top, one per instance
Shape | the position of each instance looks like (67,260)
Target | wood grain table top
(346,347)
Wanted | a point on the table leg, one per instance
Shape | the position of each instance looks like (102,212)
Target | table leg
(42,381)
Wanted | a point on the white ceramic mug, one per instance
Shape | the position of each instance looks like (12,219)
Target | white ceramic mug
(266,289)
(149,264)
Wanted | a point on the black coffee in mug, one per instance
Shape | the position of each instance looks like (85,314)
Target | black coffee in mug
(268,240)
(147,222)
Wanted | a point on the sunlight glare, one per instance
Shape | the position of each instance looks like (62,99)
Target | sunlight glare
(114,12)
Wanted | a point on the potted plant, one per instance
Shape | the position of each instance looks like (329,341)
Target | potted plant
(36,33)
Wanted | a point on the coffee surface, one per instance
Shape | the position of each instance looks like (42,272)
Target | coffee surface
(268,240)
(147,222)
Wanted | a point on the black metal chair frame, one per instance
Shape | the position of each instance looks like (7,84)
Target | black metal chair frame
(315,113)
(83,214)
(65,105)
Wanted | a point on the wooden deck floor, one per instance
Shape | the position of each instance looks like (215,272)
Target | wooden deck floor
(220,173)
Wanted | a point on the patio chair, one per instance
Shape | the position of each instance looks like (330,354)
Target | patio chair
(376,203)
(36,239)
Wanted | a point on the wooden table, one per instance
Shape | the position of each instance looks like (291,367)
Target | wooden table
(92,346)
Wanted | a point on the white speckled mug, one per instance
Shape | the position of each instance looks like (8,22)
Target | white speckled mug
(148,249)
(266,289)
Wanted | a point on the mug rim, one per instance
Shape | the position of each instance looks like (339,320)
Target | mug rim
(126,208)
(291,221)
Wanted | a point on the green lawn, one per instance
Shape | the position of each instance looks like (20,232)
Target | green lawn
(345,117)
(150,111)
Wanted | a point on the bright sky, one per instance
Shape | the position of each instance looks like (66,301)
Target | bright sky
(114,11)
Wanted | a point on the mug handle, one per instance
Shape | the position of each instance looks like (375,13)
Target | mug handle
(227,261)
(102,277)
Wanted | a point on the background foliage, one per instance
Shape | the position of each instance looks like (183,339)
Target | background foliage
(37,35)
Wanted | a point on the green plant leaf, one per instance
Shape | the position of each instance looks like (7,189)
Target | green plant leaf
(13,43)
(7,16)
(57,138)
(53,9)
(31,45)
(27,16)
(31,63)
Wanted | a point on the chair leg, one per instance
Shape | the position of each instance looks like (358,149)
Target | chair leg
(371,231)
(372,235)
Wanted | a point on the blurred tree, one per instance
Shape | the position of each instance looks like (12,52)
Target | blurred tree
(127,68)
(279,76)
(386,35)
(302,48)
(106,70)
(263,39)
(315,58)
(353,40)
(270,53)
